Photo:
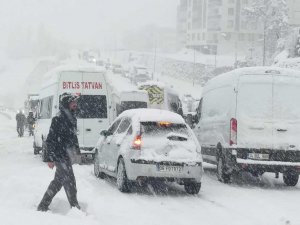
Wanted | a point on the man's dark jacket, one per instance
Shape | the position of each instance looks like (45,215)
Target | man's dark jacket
(62,136)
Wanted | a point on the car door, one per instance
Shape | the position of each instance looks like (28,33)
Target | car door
(105,147)
(117,142)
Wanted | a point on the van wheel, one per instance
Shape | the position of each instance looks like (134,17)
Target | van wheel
(222,173)
(122,180)
(44,152)
(290,178)
(192,188)
(35,149)
(97,171)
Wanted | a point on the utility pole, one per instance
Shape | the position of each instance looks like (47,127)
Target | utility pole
(264,47)
(154,60)
(194,67)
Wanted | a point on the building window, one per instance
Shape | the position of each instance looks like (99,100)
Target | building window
(189,26)
(245,2)
(199,36)
(203,36)
(193,37)
(243,25)
(188,37)
(230,24)
(231,1)
(230,11)
(251,37)
(241,37)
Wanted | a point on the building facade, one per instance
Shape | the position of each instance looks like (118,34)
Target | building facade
(219,27)
(294,12)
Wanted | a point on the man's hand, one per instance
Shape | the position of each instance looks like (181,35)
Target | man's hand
(51,165)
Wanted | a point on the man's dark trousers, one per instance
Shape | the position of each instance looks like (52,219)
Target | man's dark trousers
(64,177)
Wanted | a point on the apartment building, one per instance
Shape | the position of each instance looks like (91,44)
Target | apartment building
(219,27)
(294,12)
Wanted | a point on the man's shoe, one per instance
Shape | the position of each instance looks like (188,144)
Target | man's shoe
(42,208)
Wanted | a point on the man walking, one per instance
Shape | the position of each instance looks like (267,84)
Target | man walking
(21,119)
(62,144)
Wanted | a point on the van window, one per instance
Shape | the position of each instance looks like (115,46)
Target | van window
(216,103)
(199,109)
(46,108)
(125,105)
(92,106)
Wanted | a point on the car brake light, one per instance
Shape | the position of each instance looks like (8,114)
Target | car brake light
(233,132)
(137,143)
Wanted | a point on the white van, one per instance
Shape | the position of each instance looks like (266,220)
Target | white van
(92,116)
(162,96)
(249,119)
(129,99)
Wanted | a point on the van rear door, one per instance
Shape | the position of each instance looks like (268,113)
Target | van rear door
(93,107)
(286,112)
(254,111)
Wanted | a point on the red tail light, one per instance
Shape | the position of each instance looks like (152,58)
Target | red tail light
(233,132)
(137,143)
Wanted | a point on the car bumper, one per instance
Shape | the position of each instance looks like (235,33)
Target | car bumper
(276,161)
(175,171)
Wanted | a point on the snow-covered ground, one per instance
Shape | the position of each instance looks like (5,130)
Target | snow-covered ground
(24,178)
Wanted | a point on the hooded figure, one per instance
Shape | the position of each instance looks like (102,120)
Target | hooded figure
(61,146)
(21,120)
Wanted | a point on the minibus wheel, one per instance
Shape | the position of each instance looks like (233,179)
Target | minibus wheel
(290,178)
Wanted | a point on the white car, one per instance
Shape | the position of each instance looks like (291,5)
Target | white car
(149,144)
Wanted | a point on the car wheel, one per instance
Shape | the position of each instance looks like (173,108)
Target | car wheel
(290,178)
(122,180)
(222,173)
(192,188)
(97,171)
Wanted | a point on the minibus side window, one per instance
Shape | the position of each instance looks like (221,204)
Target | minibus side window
(46,108)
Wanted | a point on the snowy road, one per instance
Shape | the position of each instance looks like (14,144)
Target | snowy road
(24,178)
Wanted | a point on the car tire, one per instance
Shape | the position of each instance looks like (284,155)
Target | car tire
(122,180)
(222,173)
(97,171)
(290,178)
(192,188)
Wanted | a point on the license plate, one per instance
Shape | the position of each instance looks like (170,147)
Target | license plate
(258,156)
(165,168)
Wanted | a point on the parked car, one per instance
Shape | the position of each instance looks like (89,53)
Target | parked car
(249,119)
(139,74)
(149,144)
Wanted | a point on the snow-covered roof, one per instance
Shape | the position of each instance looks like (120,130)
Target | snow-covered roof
(231,78)
(153,115)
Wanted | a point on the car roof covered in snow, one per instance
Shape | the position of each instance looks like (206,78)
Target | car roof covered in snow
(231,78)
(152,115)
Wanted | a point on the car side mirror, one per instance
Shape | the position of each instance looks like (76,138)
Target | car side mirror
(105,133)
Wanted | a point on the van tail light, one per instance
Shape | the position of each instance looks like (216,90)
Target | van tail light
(233,132)
(137,142)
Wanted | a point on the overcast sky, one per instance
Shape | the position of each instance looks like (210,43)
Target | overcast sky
(78,19)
